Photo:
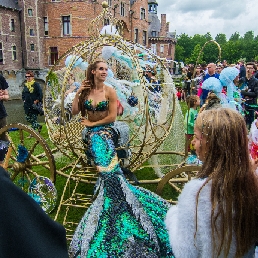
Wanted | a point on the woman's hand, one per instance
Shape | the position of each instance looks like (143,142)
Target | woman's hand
(84,86)
(86,122)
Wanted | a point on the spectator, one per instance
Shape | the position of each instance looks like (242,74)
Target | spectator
(4,96)
(198,78)
(250,86)
(242,70)
(212,101)
(218,69)
(189,76)
(219,207)
(178,94)
(211,73)
(31,94)
(225,64)
(26,230)
(183,95)
(192,101)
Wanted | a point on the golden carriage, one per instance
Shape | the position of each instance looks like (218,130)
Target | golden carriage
(154,122)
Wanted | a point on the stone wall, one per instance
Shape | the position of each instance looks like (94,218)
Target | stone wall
(9,39)
(16,81)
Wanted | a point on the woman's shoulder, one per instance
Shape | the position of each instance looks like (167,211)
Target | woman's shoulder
(36,85)
(194,186)
(110,92)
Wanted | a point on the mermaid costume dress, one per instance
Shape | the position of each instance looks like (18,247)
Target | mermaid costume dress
(124,220)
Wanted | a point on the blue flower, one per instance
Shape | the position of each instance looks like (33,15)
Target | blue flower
(22,154)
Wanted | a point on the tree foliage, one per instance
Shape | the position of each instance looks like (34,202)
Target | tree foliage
(233,49)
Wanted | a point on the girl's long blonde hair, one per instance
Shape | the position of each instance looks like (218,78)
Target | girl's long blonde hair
(234,185)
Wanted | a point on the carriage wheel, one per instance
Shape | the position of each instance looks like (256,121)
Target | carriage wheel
(173,182)
(39,161)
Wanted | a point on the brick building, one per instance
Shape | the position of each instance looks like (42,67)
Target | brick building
(35,33)
(161,41)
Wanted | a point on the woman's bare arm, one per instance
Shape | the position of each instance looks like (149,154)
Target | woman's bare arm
(75,105)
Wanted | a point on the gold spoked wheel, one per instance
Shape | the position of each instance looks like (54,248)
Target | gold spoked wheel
(173,182)
(39,160)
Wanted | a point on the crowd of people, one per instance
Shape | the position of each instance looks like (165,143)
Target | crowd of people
(216,214)
(245,83)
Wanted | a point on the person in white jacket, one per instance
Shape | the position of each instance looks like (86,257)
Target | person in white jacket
(217,213)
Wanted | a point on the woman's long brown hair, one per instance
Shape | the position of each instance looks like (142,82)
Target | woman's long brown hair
(234,185)
(85,93)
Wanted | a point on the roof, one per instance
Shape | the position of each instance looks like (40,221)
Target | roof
(13,4)
(154,24)
(152,2)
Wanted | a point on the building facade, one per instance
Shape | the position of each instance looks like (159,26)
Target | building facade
(35,33)
(162,42)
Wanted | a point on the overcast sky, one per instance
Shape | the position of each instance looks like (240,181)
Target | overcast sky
(214,16)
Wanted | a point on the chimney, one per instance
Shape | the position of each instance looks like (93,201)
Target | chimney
(163,29)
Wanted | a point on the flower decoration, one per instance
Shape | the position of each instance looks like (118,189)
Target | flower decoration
(76,61)
(43,191)
(132,100)
(110,51)
(109,30)
(22,154)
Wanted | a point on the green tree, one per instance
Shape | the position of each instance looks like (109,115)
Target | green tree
(249,36)
(208,36)
(232,50)
(248,46)
(198,39)
(235,37)
(221,39)
(185,41)
(194,56)
(179,53)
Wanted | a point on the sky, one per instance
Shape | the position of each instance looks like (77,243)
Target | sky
(214,16)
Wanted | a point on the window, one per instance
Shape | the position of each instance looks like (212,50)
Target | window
(14,56)
(45,26)
(106,22)
(53,55)
(109,3)
(30,12)
(153,8)
(136,35)
(154,48)
(161,48)
(12,25)
(66,25)
(144,38)
(32,32)
(153,34)
(122,9)
(1,53)
(32,47)
(142,14)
